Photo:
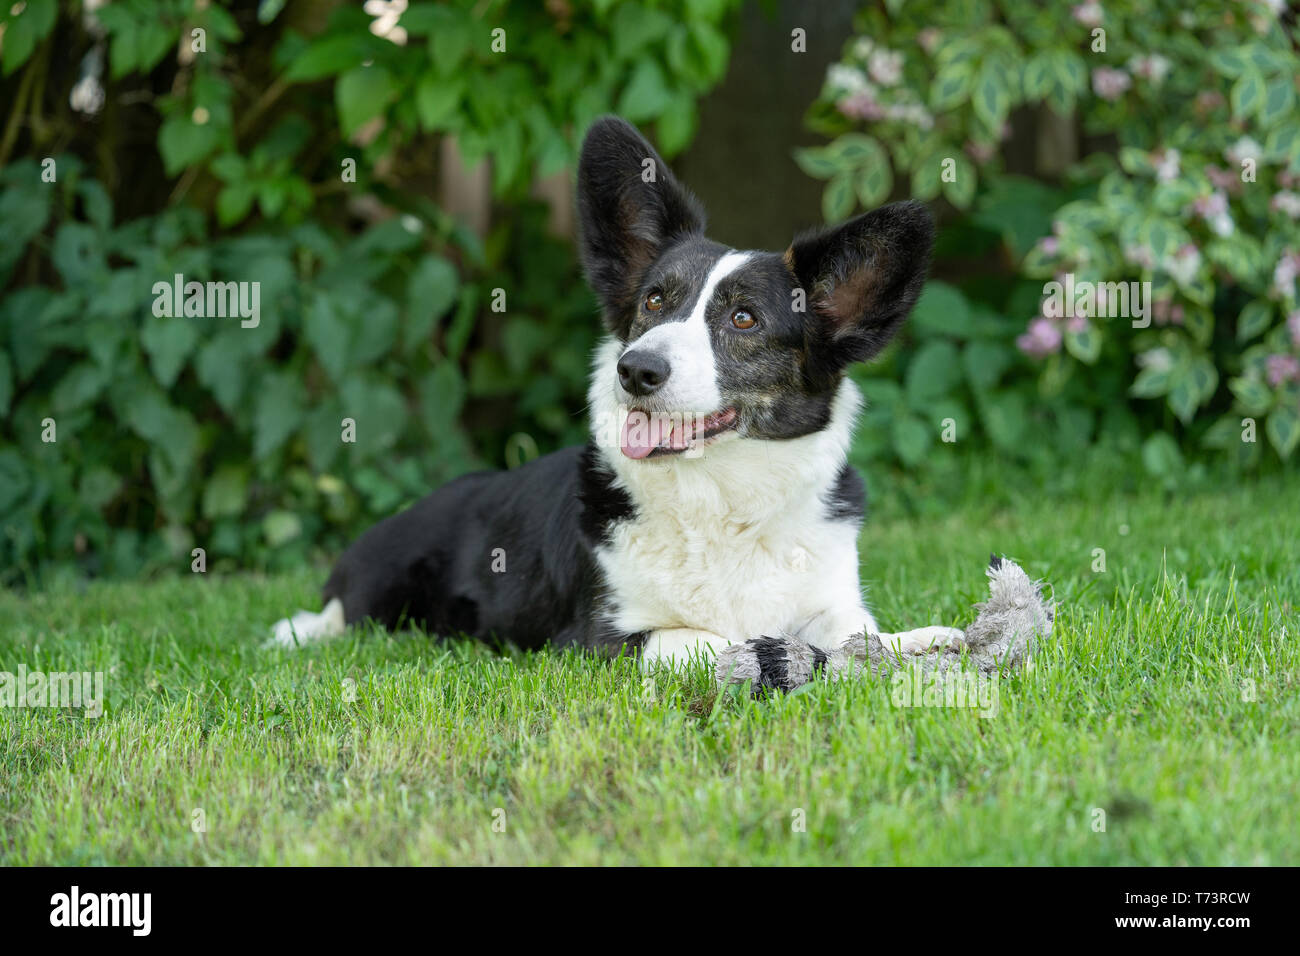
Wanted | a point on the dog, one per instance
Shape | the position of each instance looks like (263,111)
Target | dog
(713,503)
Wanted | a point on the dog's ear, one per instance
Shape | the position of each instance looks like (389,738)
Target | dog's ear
(630,208)
(861,279)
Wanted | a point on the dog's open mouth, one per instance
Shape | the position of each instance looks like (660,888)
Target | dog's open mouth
(648,434)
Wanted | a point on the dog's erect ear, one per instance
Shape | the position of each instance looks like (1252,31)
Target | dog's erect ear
(861,280)
(629,208)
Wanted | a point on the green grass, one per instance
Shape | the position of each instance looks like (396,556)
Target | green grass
(1139,706)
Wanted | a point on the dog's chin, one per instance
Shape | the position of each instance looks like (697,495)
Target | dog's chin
(649,435)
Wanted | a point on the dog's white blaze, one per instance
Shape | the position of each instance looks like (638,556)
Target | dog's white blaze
(737,542)
(687,346)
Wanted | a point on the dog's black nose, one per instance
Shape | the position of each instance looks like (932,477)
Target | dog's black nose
(641,373)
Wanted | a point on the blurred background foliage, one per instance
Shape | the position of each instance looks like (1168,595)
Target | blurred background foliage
(396,176)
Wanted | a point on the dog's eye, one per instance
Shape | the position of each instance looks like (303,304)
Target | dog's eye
(654,302)
(743,320)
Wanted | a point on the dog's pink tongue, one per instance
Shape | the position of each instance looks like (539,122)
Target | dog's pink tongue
(641,434)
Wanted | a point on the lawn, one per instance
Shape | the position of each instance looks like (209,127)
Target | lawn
(1164,709)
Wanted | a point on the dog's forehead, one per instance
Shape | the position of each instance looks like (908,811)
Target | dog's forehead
(690,263)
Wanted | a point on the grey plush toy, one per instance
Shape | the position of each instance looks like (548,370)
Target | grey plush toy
(1003,635)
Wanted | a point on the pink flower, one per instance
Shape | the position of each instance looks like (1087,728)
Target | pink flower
(1243,149)
(1183,264)
(1141,255)
(1208,100)
(1110,84)
(929,39)
(1050,245)
(863,106)
(1168,163)
(1154,67)
(1282,368)
(1225,179)
(1287,203)
(1090,13)
(1167,312)
(885,67)
(1214,210)
(1076,325)
(1285,272)
(1041,339)
(980,152)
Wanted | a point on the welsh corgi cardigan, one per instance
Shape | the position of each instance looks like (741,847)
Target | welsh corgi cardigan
(713,502)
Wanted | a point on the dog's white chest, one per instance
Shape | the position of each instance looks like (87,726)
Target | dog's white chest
(732,578)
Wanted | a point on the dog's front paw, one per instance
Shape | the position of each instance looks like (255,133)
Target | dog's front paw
(923,640)
(306,627)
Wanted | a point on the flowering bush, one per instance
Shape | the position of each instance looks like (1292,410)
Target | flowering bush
(1179,228)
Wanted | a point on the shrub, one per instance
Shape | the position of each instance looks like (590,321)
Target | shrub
(216,145)
(1190,182)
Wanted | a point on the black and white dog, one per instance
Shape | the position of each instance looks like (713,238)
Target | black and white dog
(713,503)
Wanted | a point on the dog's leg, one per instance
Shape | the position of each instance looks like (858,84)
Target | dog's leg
(830,629)
(923,639)
(306,627)
(678,646)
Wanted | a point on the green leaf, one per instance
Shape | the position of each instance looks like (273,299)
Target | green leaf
(221,366)
(168,342)
(873,183)
(378,409)
(991,97)
(951,85)
(1279,101)
(911,438)
(1283,429)
(925,177)
(329,330)
(430,292)
(934,371)
(281,401)
(676,125)
(330,56)
(1254,319)
(960,190)
(437,99)
(1247,95)
(710,49)
(942,310)
(985,362)
(858,149)
(1161,456)
(361,94)
(182,143)
(1004,419)
(82,384)
(1228,61)
(225,493)
(838,198)
(1085,344)
(646,94)
(279,527)
(6,383)
(1254,396)
(817,162)
(23,31)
